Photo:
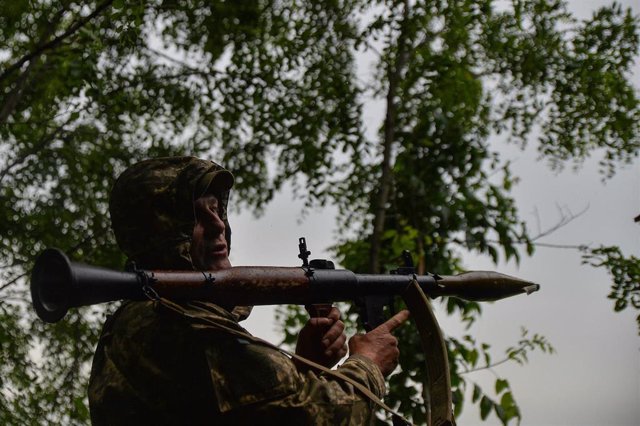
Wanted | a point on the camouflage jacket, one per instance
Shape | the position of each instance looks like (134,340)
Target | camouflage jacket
(155,366)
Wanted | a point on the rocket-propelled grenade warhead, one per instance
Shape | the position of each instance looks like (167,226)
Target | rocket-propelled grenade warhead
(481,286)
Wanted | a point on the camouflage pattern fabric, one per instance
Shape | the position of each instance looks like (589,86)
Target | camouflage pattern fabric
(154,366)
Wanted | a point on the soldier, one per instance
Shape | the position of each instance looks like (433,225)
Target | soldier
(192,363)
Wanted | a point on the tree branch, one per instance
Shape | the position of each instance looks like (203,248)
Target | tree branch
(23,300)
(37,147)
(56,41)
(561,246)
(564,220)
(486,367)
(13,281)
(194,70)
(14,96)
(372,48)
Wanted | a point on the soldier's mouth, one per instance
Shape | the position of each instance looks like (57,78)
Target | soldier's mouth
(218,250)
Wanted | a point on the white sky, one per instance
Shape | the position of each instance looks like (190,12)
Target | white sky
(594,378)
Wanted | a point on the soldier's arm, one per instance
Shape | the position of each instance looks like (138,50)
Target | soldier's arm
(282,393)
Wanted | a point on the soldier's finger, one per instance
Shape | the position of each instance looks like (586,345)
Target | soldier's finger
(337,344)
(320,322)
(336,330)
(394,322)
(334,314)
(342,351)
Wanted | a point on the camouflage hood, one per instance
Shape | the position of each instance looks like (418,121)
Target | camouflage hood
(152,211)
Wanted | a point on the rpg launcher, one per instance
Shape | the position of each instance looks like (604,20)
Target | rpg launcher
(58,284)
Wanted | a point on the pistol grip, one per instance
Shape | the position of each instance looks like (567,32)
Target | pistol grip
(320,310)
(372,310)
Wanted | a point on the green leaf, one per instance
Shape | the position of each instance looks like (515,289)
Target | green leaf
(477,392)
(507,400)
(486,405)
(473,357)
(501,385)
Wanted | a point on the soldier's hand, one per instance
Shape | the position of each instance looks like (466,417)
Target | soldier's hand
(322,339)
(379,345)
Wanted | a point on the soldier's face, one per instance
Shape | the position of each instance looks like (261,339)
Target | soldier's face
(209,249)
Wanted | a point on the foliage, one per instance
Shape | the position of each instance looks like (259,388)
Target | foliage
(88,88)
(272,90)
(479,358)
(625,271)
(470,70)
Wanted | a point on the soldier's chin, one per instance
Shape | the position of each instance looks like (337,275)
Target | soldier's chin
(218,263)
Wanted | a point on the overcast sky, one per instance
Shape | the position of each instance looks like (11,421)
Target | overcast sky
(594,378)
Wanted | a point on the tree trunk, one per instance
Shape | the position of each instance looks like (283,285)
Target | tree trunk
(382,197)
